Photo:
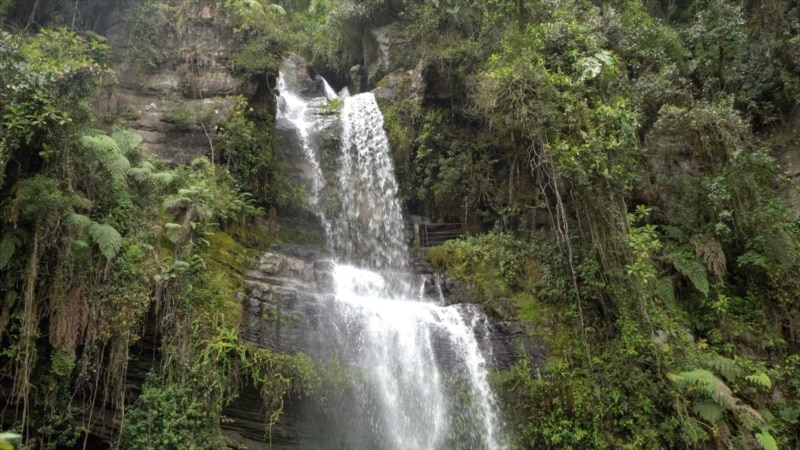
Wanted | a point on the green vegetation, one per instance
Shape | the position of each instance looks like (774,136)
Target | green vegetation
(101,245)
(664,278)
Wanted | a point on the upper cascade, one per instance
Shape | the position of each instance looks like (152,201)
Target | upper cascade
(370,229)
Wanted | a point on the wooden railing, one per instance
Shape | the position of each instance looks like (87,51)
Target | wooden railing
(433,234)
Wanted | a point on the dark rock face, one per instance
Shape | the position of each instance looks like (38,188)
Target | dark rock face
(289,307)
(289,304)
(300,77)
(359,80)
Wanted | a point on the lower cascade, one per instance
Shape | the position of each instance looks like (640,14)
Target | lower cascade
(385,330)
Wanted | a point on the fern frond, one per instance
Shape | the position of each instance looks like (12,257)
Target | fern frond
(175,201)
(100,144)
(664,289)
(760,379)
(692,269)
(81,203)
(708,410)
(108,239)
(79,221)
(172,231)
(706,383)
(140,174)
(163,177)
(766,440)
(710,251)
(8,244)
(723,366)
(127,140)
(671,232)
(106,151)
(79,243)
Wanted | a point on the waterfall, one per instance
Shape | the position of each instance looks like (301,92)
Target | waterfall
(394,340)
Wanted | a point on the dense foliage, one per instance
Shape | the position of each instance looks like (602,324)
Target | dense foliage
(664,276)
(626,154)
(106,252)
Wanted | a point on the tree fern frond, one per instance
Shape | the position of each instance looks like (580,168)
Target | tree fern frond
(163,177)
(80,243)
(172,231)
(664,288)
(108,239)
(710,251)
(175,201)
(8,244)
(767,441)
(79,221)
(722,365)
(117,166)
(708,410)
(760,379)
(127,140)
(672,232)
(81,203)
(692,269)
(140,173)
(100,144)
(106,151)
(707,384)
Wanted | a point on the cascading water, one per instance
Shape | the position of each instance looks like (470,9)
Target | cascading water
(405,398)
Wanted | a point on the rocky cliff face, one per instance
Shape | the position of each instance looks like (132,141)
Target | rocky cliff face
(176,103)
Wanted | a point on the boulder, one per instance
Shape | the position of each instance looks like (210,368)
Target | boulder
(299,77)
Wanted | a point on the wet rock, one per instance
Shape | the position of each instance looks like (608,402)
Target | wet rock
(359,80)
(300,77)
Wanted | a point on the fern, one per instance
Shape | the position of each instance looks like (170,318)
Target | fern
(760,379)
(8,244)
(107,152)
(126,140)
(172,231)
(710,251)
(107,238)
(665,290)
(707,384)
(163,177)
(692,269)
(140,174)
(79,221)
(723,366)
(708,410)
(766,440)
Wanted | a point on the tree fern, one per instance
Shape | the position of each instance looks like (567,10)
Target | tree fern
(107,238)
